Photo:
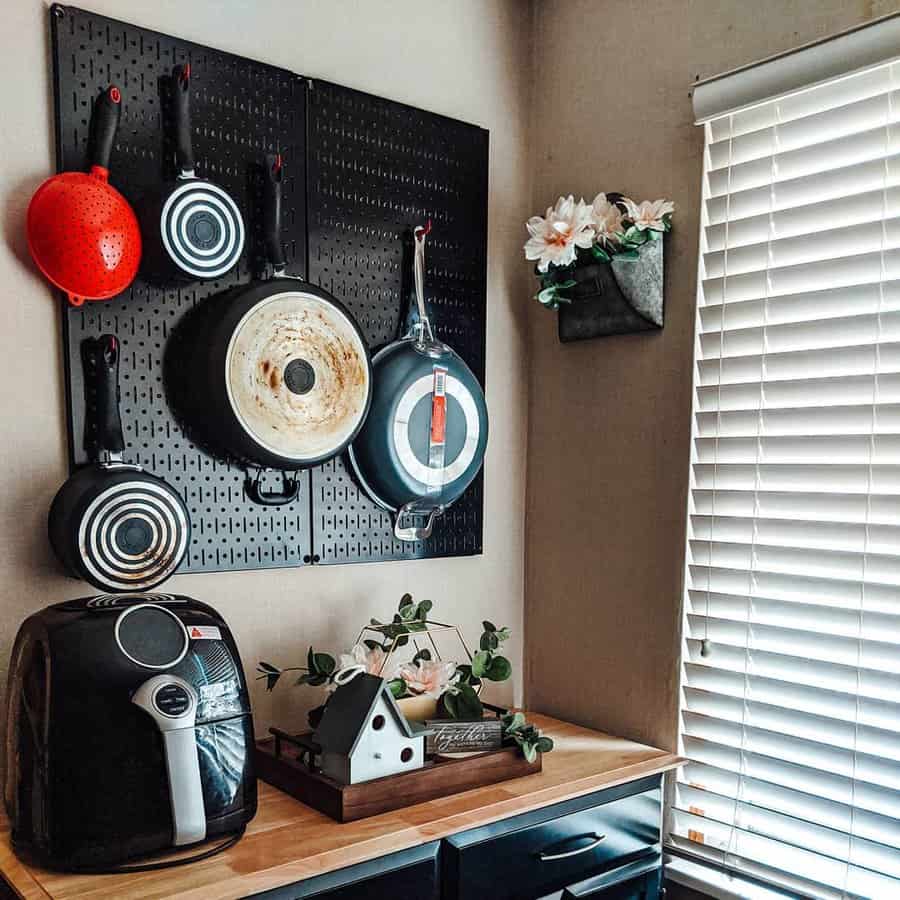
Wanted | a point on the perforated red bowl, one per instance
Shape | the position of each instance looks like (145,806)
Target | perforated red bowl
(84,236)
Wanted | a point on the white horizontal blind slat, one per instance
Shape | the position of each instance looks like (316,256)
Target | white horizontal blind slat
(790,704)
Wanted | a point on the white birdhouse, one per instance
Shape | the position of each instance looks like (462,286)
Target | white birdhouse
(363,735)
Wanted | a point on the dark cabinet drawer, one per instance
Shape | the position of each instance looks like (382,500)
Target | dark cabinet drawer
(639,880)
(535,854)
(407,875)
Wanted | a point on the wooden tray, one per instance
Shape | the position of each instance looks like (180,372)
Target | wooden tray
(349,802)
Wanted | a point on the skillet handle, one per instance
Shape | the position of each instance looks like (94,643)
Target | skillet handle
(272,194)
(414,532)
(104,124)
(181,117)
(290,490)
(100,357)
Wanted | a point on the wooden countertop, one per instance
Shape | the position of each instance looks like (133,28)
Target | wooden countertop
(288,841)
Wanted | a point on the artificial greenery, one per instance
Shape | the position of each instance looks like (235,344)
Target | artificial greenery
(529,739)
(459,700)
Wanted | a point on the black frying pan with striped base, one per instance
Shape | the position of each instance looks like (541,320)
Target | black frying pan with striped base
(193,229)
(113,524)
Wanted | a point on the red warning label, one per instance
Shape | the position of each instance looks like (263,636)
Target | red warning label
(204,633)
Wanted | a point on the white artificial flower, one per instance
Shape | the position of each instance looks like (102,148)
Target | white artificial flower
(555,237)
(649,214)
(427,677)
(607,219)
(361,655)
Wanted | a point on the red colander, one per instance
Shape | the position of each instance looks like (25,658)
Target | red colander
(82,233)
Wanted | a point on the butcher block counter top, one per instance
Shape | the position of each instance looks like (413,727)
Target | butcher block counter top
(287,841)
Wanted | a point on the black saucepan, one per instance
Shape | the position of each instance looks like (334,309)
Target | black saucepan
(425,437)
(193,229)
(275,373)
(113,524)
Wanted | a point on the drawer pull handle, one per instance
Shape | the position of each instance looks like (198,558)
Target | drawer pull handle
(544,856)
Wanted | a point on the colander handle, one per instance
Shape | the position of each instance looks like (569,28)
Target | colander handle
(101,377)
(272,193)
(104,125)
(181,117)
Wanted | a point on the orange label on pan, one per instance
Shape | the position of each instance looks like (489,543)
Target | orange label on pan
(439,407)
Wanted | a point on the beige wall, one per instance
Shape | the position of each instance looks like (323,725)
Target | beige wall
(609,420)
(466,59)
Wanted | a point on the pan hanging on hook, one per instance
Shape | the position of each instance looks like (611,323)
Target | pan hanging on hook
(426,434)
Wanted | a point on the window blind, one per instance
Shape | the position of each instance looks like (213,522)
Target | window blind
(790,700)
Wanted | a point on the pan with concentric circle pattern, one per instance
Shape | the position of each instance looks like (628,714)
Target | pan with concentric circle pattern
(113,524)
(194,229)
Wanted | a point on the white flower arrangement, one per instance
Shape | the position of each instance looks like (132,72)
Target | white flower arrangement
(573,234)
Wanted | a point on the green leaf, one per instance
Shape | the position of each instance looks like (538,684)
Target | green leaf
(600,253)
(370,644)
(499,669)
(481,661)
(405,600)
(397,686)
(485,642)
(266,667)
(488,626)
(271,680)
(513,722)
(424,654)
(654,234)
(548,297)
(502,635)
(423,609)
(310,662)
(325,663)
(530,752)
(376,623)
(463,703)
(544,745)
(402,640)
(448,701)
(629,255)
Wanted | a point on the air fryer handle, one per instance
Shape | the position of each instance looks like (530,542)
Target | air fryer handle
(272,202)
(181,117)
(101,376)
(104,124)
(185,786)
(182,760)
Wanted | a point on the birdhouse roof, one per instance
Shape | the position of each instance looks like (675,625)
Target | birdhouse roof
(349,709)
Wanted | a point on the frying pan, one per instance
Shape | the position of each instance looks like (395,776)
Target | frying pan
(427,430)
(82,233)
(275,373)
(195,227)
(113,524)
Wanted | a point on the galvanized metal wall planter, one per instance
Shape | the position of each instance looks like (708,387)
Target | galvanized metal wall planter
(617,297)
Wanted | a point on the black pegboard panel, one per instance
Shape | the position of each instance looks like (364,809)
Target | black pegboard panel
(240,110)
(376,169)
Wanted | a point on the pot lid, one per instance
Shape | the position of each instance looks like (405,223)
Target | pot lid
(297,374)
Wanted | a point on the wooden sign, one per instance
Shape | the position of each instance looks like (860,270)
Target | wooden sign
(460,736)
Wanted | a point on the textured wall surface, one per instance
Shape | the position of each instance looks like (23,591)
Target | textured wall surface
(609,420)
(468,60)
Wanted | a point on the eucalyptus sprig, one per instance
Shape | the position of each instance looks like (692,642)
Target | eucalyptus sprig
(529,739)
(461,700)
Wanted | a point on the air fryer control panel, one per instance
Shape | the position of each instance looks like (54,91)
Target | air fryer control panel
(172,700)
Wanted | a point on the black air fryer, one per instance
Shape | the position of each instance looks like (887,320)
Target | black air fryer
(129,731)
